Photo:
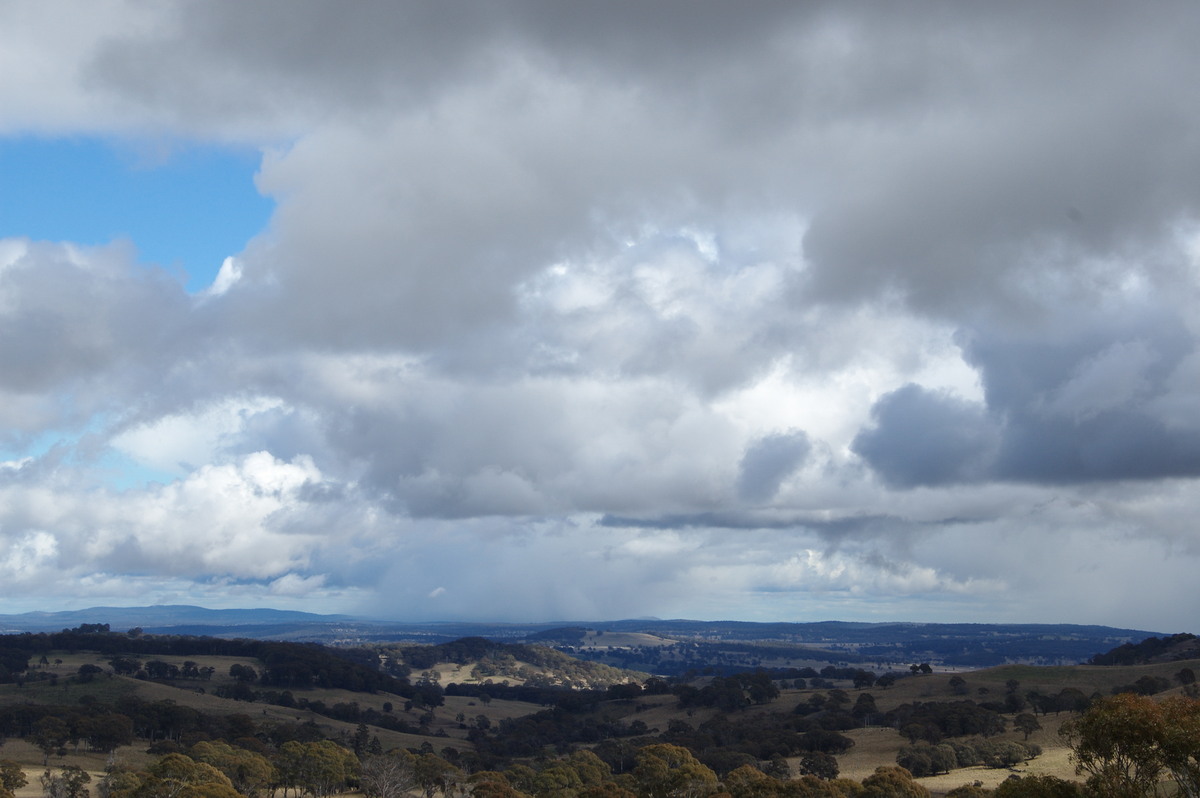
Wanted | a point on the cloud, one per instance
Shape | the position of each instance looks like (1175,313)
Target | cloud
(180,443)
(927,438)
(768,462)
(580,311)
(1074,399)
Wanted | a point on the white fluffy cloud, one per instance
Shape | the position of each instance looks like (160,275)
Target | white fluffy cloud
(594,310)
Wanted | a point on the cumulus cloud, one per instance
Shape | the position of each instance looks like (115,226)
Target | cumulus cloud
(578,311)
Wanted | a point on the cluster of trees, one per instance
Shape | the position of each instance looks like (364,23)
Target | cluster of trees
(924,759)
(217,769)
(55,729)
(659,770)
(723,742)
(933,721)
(285,665)
(730,693)
(166,726)
(220,770)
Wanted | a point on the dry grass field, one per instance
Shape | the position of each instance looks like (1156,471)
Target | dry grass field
(879,746)
(603,640)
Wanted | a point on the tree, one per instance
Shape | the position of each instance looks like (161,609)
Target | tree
(1038,787)
(556,781)
(70,782)
(1180,742)
(864,708)
(179,776)
(242,673)
(670,771)
(12,777)
(50,735)
(609,789)
(890,781)
(248,772)
(1071,699)
(1116,744)
(121,783)
(387,776)
(106,732)
(434,774)
(592,769)
(362,738)
(924,759)
(87,672)
(1027,723)
(494,785)
(318,768)
(968,791)
(748,781)
(1005,753)
(125,666)
(819,764)
(916,759)
(863,679)
(158,669)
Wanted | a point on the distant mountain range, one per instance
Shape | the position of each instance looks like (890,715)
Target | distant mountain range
(972,645)
(165,616)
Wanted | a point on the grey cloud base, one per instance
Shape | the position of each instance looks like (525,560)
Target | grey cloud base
(1096,399)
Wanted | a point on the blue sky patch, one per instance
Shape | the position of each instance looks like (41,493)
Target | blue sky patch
(185,209)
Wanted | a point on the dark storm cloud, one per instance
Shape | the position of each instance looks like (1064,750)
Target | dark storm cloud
(925,437)
(768,462)
(1088,401)
(64,318)
(1069,402)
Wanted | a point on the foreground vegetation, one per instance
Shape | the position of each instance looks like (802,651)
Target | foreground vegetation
(125,715)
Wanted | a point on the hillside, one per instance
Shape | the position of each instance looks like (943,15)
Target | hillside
(1153,649)
(143,696)
(478,661)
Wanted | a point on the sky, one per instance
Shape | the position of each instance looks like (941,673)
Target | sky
(522,310)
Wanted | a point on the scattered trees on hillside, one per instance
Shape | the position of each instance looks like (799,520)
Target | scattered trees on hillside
(1148,649)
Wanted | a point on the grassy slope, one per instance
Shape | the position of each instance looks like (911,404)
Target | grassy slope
(876,746)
